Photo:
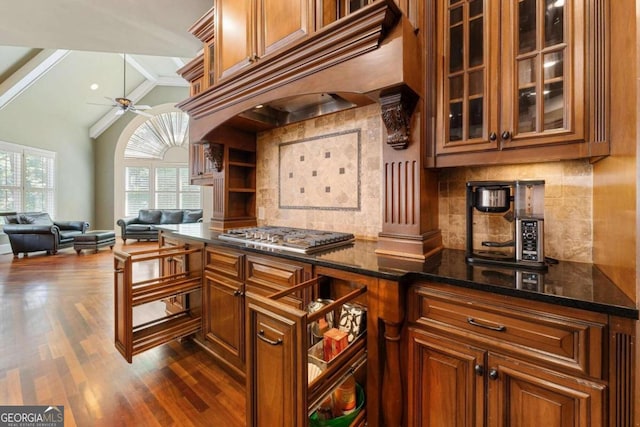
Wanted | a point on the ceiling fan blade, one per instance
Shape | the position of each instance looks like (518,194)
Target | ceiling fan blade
(111,99)
(142,107)
(133,110)
(119,112)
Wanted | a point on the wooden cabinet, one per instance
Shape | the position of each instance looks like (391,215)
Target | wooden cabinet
(140,285)
(223,304)
(279,392)
(228,275)
(172,265)
(520,81)
(200,164)
(249,30)
(480,360)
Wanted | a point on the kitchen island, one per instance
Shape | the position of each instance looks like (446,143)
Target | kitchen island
(443,338)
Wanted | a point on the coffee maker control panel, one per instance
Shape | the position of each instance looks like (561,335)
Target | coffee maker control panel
(529,241)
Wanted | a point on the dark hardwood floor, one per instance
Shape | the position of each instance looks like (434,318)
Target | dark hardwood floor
(56,338)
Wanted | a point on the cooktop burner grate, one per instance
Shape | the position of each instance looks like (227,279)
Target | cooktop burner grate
(287,238)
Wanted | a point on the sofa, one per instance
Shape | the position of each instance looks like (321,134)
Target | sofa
(36,231)
(142,226)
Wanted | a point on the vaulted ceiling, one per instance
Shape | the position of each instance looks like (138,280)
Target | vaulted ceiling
(51,52)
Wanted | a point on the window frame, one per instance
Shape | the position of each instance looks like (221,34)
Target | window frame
(50,206)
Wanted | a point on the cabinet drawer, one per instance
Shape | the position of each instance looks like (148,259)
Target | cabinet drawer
(225,262)
(550,337)
(266,276)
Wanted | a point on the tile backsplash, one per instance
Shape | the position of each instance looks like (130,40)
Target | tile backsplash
(352,200)
(323,173)
(568,202)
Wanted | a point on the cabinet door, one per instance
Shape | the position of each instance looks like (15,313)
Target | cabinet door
(524,395)
(234,46)
(279,23)
(201,168)
(446,385)
(543,68)
(276,364)
(224,317)
(468,75)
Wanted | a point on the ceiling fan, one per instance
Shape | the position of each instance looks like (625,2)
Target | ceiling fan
(123,103)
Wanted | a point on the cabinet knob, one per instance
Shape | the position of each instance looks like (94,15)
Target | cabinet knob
(479,370)
(493,374)
(506,135)
(493,136)
(237,292)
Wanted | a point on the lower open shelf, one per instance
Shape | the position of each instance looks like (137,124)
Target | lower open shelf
(160,331)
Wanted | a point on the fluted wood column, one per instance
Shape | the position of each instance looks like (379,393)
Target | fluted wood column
(410,192)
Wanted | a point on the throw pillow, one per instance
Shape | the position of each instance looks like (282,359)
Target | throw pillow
(149,216)
(191,215)
(171,216)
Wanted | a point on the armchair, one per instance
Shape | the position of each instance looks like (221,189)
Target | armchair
(35,231)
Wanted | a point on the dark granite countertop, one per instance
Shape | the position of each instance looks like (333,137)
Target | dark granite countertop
(570,284)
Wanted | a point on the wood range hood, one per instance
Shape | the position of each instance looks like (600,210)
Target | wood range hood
(355,61)
(373,55)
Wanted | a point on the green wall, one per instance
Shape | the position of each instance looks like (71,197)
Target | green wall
(104,153)
(85,166)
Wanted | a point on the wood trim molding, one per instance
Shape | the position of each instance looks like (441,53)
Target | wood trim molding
(194,69)
(204,28)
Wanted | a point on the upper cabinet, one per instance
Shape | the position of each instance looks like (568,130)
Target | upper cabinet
(520,81)
(248,30)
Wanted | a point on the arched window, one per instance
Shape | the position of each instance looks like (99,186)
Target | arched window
(156,165)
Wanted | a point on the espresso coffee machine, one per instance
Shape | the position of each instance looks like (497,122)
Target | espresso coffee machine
(509,223)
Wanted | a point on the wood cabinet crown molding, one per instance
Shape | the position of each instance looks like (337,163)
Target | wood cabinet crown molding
(204,27)
(193,70)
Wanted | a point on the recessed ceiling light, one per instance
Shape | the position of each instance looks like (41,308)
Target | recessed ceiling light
(94,86)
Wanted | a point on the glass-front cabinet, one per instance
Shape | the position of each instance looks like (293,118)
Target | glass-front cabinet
(514,73)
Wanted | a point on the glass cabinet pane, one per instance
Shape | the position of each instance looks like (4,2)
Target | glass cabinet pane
(455,121)
(527,110)
(553,65)
(541,65)
(554,106)
(526,26)
(476,48)
(476,117)
(553,22)
(455,48)
(456,87)
(466,100)
(526,71)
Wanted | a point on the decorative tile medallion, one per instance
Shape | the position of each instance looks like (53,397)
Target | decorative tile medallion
(321,172)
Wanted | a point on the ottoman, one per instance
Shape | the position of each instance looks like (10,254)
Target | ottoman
(94,239)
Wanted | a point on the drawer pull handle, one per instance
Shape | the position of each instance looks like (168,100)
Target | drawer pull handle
(267,340)
(473,322)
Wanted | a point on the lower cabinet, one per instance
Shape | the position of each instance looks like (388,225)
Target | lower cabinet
(476,359)
(288,382)
(223,306)
(454,384)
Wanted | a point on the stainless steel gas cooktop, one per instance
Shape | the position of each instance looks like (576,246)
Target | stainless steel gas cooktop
(288,239)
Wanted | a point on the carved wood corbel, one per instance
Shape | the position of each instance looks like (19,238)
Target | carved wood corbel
(397,107)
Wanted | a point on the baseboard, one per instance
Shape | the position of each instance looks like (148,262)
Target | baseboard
(5,249)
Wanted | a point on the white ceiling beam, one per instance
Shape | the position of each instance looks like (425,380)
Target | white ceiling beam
(178,61)
(110,118)
(149,75)
(172,81)
(28,74)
